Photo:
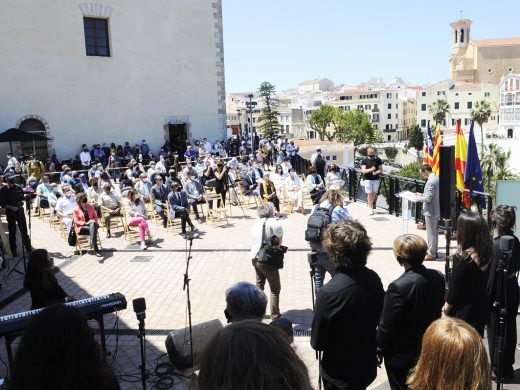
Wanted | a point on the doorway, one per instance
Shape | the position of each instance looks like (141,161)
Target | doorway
(39,148)
(177,136)
(509,133)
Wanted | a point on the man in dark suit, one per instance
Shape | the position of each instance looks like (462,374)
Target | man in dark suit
(160,197)
(83,184)
(178,201)
(432,209)
(412,303)
(195,194)
(249,185)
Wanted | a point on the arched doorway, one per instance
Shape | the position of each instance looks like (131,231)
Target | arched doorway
(39,148)
(509,133)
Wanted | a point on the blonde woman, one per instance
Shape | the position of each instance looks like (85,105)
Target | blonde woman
(135,212)
(452,357)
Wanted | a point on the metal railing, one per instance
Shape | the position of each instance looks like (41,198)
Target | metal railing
(391,185)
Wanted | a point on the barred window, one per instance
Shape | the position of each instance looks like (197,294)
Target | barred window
(96,37)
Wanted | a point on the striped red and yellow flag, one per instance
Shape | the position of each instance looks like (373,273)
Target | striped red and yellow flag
(461,151)
(436,150)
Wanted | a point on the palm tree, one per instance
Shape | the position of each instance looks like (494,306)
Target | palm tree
(439,109)
(481,114)
(495,164)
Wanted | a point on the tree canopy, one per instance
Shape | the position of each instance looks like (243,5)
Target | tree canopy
(269,115)
(321,119)
(355,126)
(439,109)
(481,114)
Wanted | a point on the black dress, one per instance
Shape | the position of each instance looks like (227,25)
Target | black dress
(45,295)
(467,292)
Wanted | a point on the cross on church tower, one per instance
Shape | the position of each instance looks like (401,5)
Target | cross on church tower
(461,11)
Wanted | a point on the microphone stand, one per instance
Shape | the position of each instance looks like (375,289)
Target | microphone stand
(140,310)
(186,286)
(142,339)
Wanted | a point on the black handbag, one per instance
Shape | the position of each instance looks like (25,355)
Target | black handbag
(72,237)
(270,253)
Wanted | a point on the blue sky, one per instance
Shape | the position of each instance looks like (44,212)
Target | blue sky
(288,41)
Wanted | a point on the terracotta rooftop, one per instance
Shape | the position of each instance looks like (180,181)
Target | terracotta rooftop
(498,42)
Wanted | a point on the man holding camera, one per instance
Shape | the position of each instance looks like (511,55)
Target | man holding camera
(11,199)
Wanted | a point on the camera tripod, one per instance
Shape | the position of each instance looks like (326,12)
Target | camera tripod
(23,258)
(312,257)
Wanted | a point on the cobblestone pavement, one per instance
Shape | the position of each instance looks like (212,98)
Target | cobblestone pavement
(220,258)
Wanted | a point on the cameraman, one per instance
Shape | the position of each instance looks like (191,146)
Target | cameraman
(332,200)
(504,218)
(11,199)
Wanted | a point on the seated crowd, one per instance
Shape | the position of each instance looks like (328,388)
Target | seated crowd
(417,330)
(133,185)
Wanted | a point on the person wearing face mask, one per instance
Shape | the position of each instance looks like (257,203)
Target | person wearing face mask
(35,168)
(114,162)
(93,193)
(195,194)
(86,222)
(268,193)
(315,185)
(11,162)
(83,184)
(53,197)
(43,191)
(65,206)
(143,187)
(294,190)
(178,201)
(11,197)
(85,158)
(371,167)
(17,175)
(110,206)
(160,197)
(173,178)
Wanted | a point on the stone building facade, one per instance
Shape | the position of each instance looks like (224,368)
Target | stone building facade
(114,71)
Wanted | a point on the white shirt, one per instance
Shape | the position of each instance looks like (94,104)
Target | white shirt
(286,166)
(272,227)
(12,161)
(293,185)
(85,158)
(207,146)
(66,205)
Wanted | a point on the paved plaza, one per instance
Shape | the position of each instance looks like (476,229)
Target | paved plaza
(220,259)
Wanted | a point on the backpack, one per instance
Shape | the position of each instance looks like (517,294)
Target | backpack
(317,222)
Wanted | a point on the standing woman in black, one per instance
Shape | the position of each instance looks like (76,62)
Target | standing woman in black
(41,282)
(467,291)
(221,176)
(504,218)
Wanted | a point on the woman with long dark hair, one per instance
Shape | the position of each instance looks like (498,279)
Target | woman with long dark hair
(222,185)
(58,351)
(504,219)
(41,282)
(467,291)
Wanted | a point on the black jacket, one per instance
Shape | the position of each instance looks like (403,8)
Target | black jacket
(412,303)
(347,312)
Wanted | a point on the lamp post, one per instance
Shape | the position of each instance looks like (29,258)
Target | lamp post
(250,106)
(239,124)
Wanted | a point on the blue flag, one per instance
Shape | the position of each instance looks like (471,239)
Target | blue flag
(473,173)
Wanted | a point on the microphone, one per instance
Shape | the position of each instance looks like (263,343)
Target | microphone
(506,244)
(139,308)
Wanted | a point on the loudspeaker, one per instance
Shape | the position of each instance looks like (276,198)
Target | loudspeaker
(178,343)
(447,189)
